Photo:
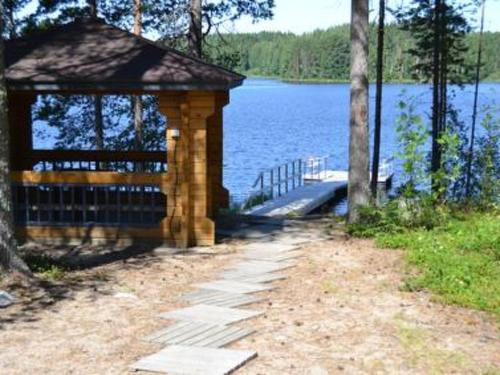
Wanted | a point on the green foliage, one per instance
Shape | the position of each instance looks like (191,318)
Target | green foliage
(447,39)
(324,55)
(459,261)
(255,200)
(61,113)
(486,161)
(399,215)
(412,136)
(452,165)
(45,266)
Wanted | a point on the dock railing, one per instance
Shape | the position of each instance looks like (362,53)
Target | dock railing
(280,180)
(385,169)
(316,168)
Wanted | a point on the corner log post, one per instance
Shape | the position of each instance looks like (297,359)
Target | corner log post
(193,183)
(219,195)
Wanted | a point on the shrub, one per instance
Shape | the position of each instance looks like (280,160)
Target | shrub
(47,267)
(398,215)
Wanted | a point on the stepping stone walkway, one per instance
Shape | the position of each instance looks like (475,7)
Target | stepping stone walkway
(258,278)
(218,298)
(195,342)
(233,286)
(269,256)
(211,314)
(199,334)
(177,360)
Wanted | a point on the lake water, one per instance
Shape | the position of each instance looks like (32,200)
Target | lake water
(269,122)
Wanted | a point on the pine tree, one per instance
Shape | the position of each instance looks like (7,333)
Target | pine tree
(439,28)
(195,33)
(137,100)
(9,260)
(470,156)
(358,189)
(378,98)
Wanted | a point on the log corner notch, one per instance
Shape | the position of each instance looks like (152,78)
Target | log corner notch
(193,183)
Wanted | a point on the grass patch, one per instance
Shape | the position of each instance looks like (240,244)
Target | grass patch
(417,343)
(459,261)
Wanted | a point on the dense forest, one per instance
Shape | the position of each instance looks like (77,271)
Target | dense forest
(325,54)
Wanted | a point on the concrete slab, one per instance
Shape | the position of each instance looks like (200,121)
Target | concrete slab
(270,256)
(261,265)
(199,334)
(219,298)
(211,314)
(233,286)
(269,246)
(257,278)
(189,360)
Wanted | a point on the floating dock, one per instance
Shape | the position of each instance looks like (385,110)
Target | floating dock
(316,191)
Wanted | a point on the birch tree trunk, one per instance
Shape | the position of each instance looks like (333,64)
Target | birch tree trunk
(195,29)
(9,260)
(358,183)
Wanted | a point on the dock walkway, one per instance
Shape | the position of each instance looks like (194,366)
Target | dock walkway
(317,190)
(304,199)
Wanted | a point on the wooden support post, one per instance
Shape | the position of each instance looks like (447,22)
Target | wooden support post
(194,180)
(21,134)
(219,194)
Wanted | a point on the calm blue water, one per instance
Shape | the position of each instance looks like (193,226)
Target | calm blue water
(269,122)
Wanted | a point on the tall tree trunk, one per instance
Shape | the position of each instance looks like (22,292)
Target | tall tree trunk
(474,107)
(136,100)
(98,126)
(195,29)
(358,184)
(9,260)
(98,122)
(378,98)
(11,28)
(436,102)
(93,8)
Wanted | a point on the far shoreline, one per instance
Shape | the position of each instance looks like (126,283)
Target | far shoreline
(317,81)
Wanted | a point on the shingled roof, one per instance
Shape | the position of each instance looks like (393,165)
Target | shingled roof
(89,54)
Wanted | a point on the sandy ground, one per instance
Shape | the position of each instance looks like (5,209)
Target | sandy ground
(340,311)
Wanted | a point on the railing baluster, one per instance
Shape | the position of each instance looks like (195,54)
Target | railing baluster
(286,178)
(61,204)
(272,183)
(118,204)
(84,204)
(27,207)
(279,181)
(73,211)
(37,195)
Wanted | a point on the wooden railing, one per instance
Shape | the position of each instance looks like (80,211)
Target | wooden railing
(79,160)
(88,198)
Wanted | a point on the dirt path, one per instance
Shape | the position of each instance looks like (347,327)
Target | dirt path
(340,311)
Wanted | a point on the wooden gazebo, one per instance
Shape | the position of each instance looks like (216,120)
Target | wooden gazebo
(173,200)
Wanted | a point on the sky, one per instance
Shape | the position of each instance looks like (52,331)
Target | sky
(299,16)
